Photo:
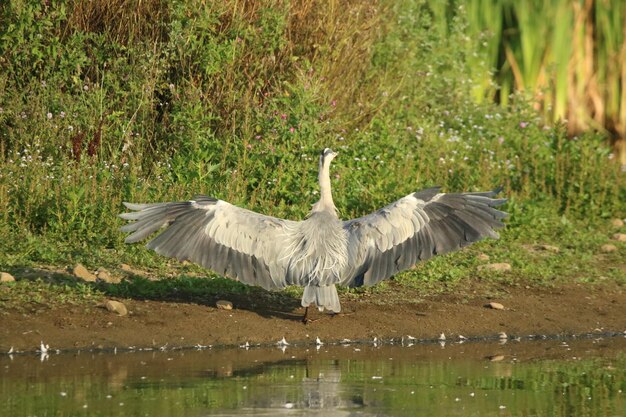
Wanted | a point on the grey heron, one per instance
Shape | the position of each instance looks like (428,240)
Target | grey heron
(320,251)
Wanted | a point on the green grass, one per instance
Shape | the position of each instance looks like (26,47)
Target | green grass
(28,296)
(235,101)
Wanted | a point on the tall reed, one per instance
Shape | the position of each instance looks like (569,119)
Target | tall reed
(567,56)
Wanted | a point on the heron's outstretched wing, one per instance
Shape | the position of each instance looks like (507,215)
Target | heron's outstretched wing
(229,240)
(415,228)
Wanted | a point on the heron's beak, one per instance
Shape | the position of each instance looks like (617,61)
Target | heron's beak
(328,153)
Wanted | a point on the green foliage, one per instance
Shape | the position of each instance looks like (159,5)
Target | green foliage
(235,100)
(31,296)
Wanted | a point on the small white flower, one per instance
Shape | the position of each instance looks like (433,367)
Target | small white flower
(49,115)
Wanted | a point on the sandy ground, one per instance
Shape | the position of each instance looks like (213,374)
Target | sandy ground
(566,310)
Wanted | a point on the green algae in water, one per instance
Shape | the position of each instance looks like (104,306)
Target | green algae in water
(551,378)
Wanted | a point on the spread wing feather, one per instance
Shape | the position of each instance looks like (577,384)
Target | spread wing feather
(227,239)
(415,228)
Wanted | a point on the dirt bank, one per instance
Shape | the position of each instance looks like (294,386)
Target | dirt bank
(571,309)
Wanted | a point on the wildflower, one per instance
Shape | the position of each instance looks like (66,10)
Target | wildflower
(291,129)
(49,115)
(70,128)
(86,87)
(523,124)
(283,116)
(62,114)
(333,103)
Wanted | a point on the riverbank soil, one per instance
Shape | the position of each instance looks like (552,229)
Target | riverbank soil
(265,318)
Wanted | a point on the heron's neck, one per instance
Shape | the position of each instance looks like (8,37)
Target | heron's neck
(325,202)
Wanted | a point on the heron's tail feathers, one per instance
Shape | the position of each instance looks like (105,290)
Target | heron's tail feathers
(324,297)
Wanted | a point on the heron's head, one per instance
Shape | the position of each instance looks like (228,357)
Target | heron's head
(326,156)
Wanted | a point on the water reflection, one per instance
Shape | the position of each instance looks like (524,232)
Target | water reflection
(517,379)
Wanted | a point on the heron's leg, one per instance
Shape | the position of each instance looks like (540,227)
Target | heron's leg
(305,318)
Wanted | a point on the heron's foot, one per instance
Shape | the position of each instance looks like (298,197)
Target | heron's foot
(306,319)
(333,314)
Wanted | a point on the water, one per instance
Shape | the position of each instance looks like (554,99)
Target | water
(547,378)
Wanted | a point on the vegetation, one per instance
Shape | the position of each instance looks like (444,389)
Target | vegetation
(567,56)
(104,102)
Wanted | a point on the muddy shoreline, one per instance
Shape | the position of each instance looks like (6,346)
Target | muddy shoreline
(529,313)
